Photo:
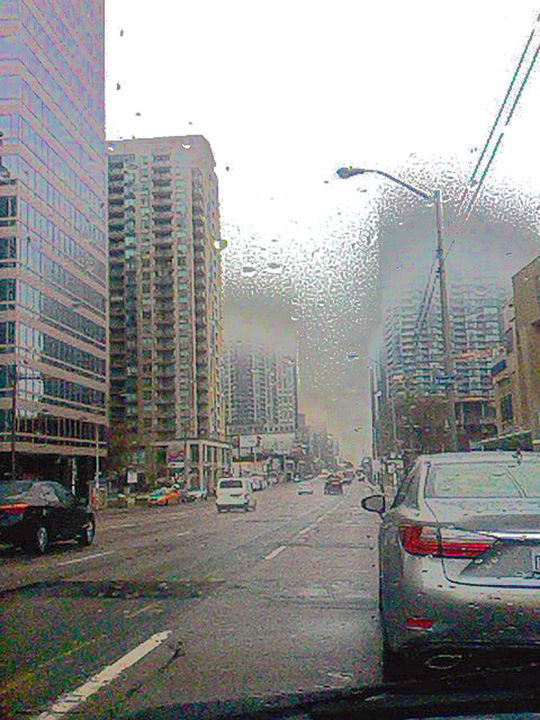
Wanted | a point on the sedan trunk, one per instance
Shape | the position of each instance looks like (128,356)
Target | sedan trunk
(506,534)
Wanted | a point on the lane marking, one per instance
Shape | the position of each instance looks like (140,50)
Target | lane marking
(86,557)
(186,532)
(117,527)
(275,552)
(306,530)
(68,702)
(140,611)
(320,519)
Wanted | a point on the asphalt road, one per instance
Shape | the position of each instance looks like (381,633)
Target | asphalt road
(180,604)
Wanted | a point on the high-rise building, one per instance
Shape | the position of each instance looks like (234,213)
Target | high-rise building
(260,387)
(516,372)
(53,242)
(165,305)
(413,360)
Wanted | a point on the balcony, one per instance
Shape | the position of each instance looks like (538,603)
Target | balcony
(162,193)
(163,231)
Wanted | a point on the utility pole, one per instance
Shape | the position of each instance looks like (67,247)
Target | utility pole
(445,319)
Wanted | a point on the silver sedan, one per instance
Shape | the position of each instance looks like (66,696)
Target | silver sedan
(459,555)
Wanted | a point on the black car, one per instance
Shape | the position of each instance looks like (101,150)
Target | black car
(34,513)
(333,486)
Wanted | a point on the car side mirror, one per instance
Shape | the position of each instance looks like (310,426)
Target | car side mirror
(374,503)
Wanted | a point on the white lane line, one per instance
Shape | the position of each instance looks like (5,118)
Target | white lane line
(142,610)
(306,530)
(320,519)
(86,557)
(275,552)
(186,532)
(68,702)
(117,527)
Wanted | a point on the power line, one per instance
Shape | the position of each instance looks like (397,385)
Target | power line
(472,192)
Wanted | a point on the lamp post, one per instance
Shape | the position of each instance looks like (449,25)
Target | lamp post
(436,197)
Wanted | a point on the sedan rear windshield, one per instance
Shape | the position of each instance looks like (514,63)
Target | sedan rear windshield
(224,484)
(484,480)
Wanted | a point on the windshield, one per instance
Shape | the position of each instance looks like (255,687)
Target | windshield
(228,484)
(483,480)
(269,271)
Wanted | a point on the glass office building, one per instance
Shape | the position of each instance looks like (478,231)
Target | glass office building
(53,241)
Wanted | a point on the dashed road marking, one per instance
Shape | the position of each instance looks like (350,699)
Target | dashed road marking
(117,527)
(140,611)
(68,702)
(275,552)
(185,532)
(86,557)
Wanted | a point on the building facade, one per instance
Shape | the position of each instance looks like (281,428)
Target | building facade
(516,371)
(53,241)
(165,300)
(412,359)
(261,390)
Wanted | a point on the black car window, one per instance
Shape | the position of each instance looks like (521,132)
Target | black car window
(63,494)
(44,493)
(403,496)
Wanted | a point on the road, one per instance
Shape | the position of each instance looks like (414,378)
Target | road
(180,604)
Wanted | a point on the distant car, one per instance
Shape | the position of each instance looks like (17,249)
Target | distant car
(459,560)
(305,488)
(333,486)
(164,496)
(235,493)
(34,514)
(193,494)
(258,481)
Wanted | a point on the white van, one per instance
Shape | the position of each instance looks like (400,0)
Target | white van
(235,492)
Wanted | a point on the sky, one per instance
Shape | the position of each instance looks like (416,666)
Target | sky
(286,92)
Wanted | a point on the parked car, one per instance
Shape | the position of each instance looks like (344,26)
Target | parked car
(305,488)
(164,496)
(34,514)
(235,493)
(459,559)
(333,486)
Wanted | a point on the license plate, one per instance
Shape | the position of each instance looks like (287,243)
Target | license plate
(536,561)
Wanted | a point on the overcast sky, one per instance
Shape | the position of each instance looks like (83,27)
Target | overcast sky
(287,91)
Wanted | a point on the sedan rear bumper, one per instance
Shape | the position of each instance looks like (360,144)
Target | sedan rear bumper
(468,616)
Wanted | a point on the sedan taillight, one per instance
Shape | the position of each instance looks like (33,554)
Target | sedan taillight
(444,542)
(14,508)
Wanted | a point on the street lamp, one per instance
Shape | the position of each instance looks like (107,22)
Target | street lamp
(436,197)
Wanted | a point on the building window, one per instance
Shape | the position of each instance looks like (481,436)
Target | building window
(507,412)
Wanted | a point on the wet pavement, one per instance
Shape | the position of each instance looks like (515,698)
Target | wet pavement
(180,604)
